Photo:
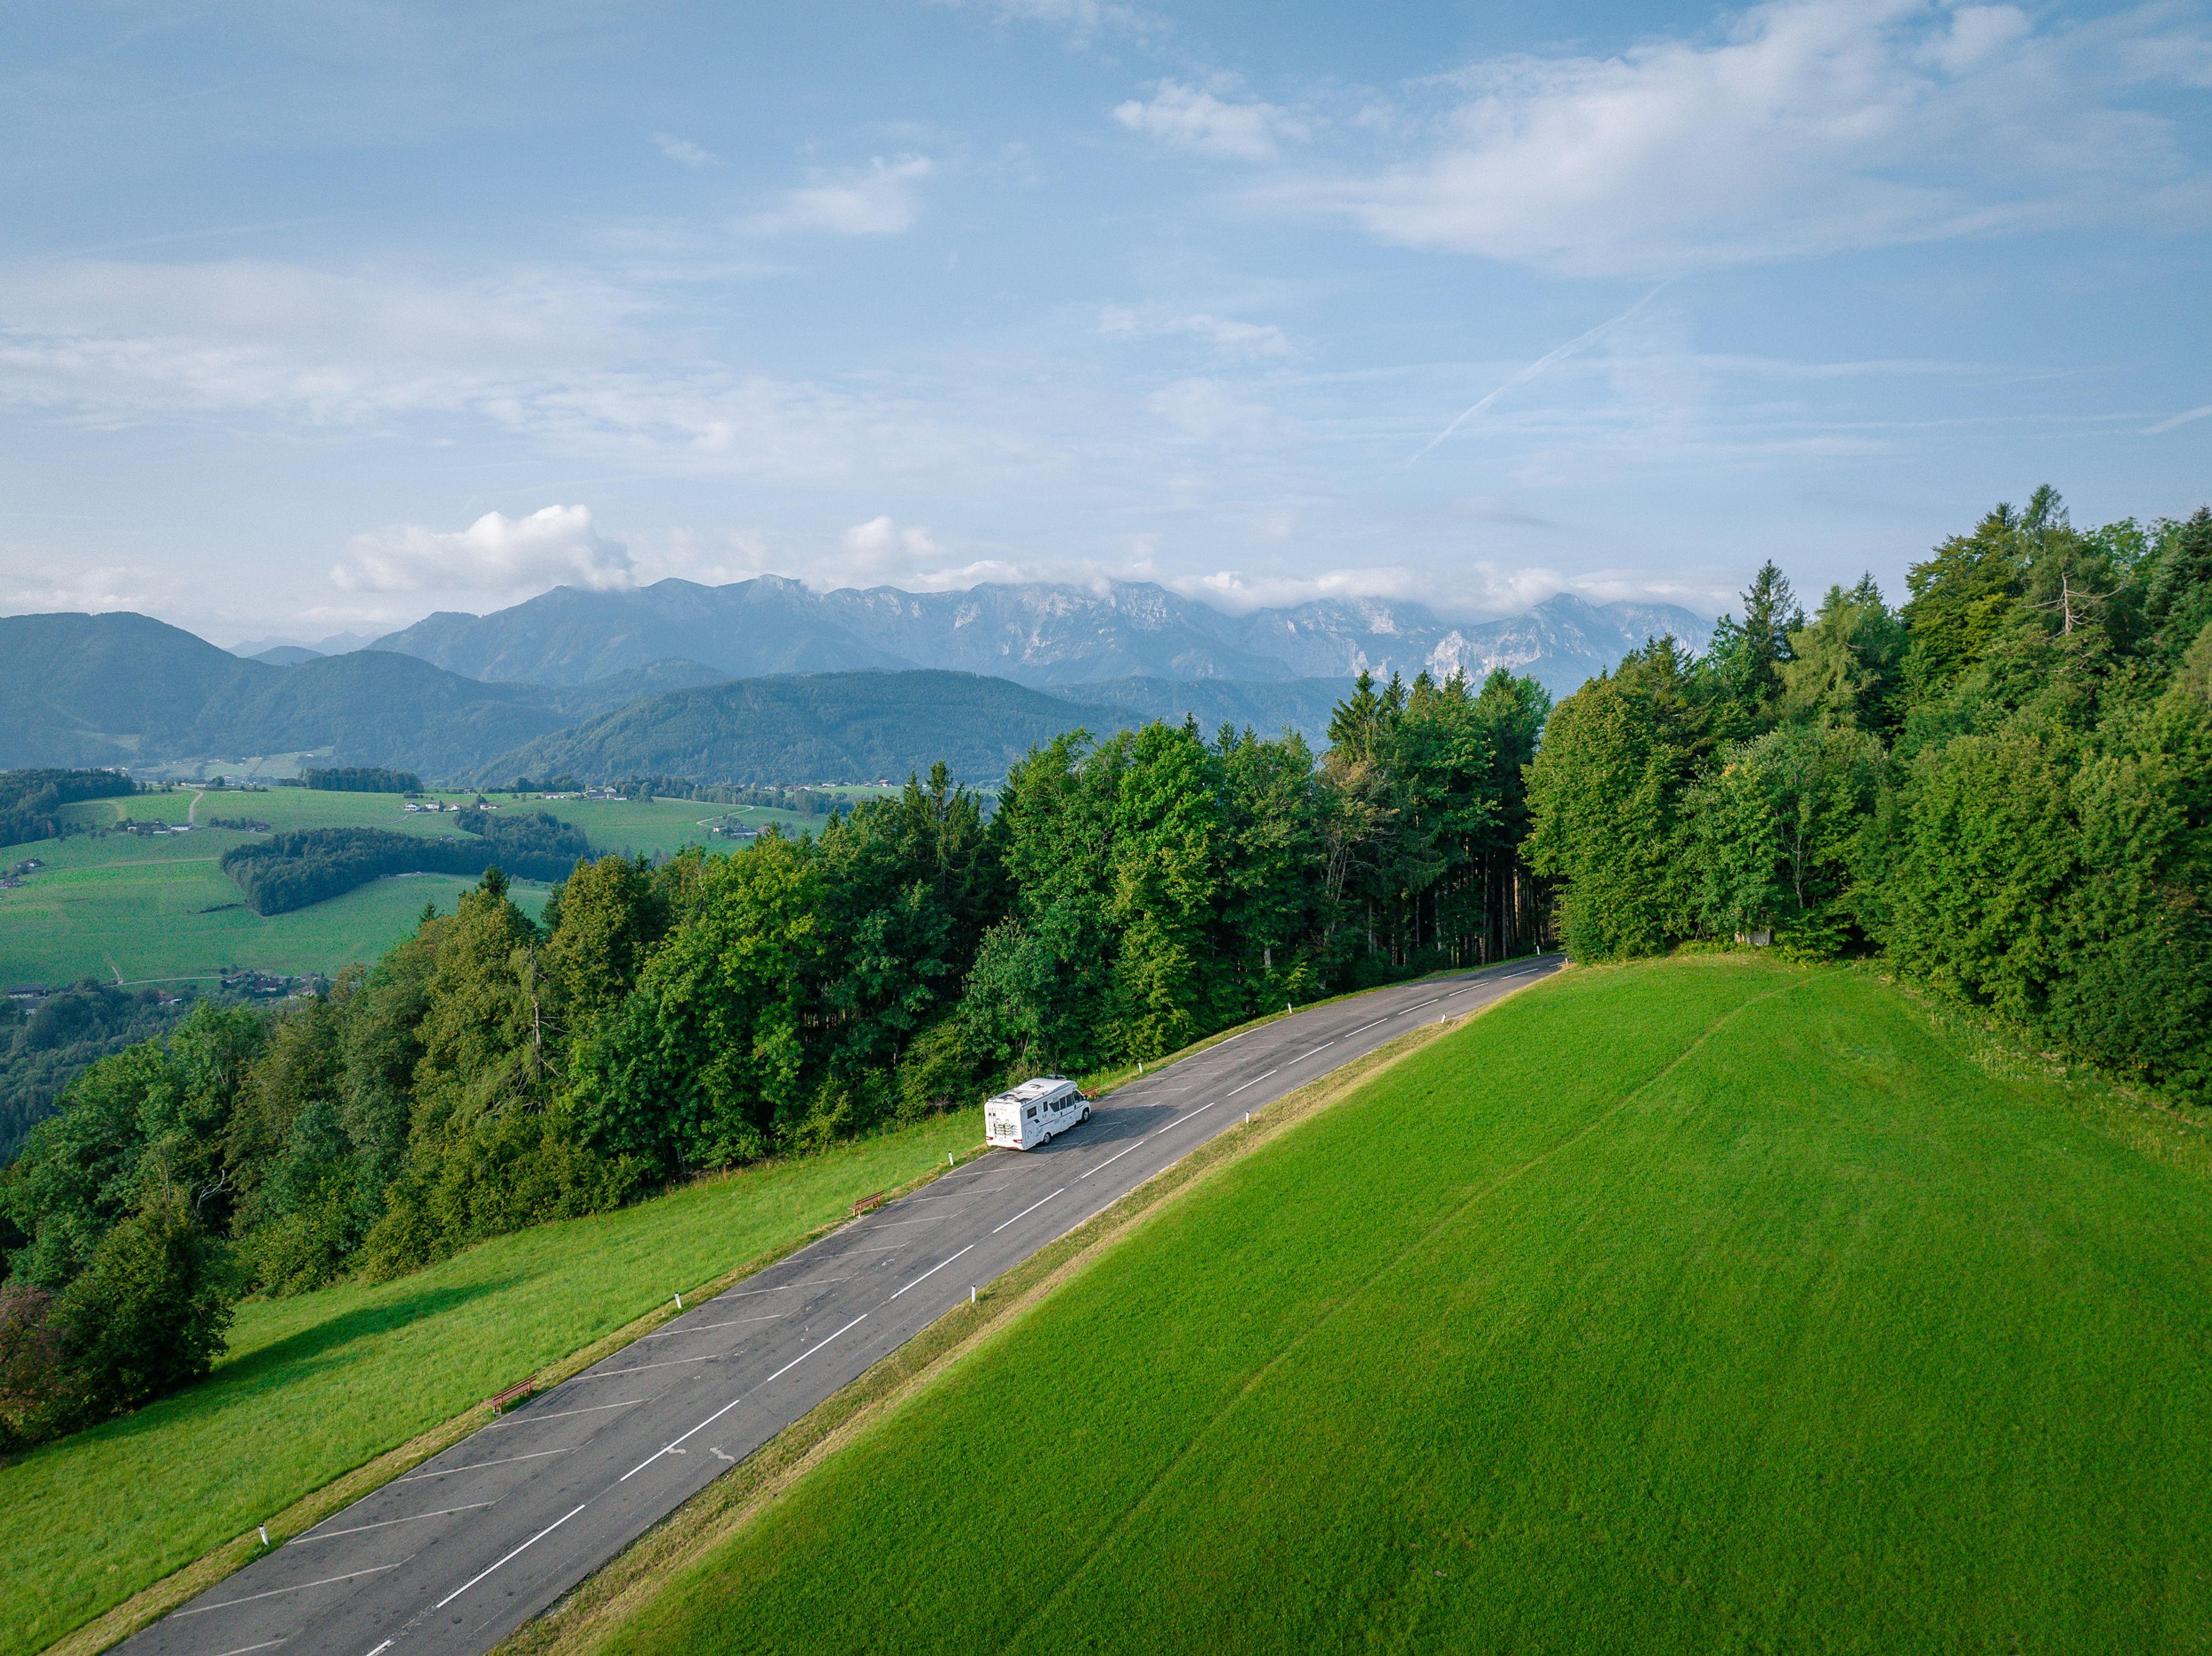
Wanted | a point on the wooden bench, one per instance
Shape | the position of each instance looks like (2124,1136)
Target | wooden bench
(516,1393)
(868,1204)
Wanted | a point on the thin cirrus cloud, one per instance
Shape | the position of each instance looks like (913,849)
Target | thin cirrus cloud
(1192,118)
(561,358)
(683,150)
(554,545)
(1227,334)
(881,198)
(1807,127)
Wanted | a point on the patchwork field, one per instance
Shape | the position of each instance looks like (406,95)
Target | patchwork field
(1701,1305)
(146,909)
(316,1384)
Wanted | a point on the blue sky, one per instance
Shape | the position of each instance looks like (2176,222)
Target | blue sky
(319,319)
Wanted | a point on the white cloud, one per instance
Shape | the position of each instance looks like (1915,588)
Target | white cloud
(882,198)
(1239,593)
(683,150)
(553,546)
(879,542)
(559,357)
(1809,126)
(1192,118)
(1084,21)
(1207,409)
(118,586)
(1226,333)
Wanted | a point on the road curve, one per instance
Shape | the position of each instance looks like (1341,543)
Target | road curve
(452,1556)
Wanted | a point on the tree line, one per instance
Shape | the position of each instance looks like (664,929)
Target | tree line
(2004,785)
(30,800)
(493,1071)
(301,866)
(361,779)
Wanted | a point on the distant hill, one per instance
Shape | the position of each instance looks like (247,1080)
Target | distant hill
(825,727)
(126,689)
(282,655)
(371,708)
(107,689)
(1038,635)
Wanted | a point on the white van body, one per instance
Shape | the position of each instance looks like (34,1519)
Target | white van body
(1033,1113)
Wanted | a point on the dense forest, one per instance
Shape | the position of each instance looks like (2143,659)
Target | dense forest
(292,870)
(2003,786)
(44,1046)
(361,779)
(31,801)
(491,1072)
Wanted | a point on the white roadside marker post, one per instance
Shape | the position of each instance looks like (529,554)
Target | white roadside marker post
(971,1293)
(679,1303)
(263,1528)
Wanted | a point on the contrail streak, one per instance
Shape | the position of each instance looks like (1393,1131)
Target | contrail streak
(1580,342)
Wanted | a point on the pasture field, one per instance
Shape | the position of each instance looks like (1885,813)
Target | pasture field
(144,910)
(320,1383)
(1698,1306)
(160,910)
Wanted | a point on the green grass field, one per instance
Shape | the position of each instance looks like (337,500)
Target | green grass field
(319,1383)
(148,910)
(151,910)
(1704,1306)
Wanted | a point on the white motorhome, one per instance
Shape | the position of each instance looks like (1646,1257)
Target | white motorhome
(1034,1114)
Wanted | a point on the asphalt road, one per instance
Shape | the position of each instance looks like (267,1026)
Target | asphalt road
(449,1559)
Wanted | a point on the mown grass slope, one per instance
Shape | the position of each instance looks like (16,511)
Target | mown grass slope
(1701,1305)
(316,1384)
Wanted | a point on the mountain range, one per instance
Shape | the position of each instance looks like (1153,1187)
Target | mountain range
(127,689)
(1042,635)
(759,681)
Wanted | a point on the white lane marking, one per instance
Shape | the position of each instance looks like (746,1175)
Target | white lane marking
(1028,1210)
(1303,1057)
(268,1644)
(640,1367)
(524,1547)
(278,1592)
(1203,1108)
(670,1333)
(417,1477)
(387,1523)
(1361,1029)
(902,1224)
(381,1648)
(847,1253)
(735,1401)
(1254,1082)
(783,1288)
(1111,1160)
(563,1413)
(932,1271)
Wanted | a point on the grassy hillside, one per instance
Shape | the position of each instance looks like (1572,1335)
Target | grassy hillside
(319,1383)
(1701,1305)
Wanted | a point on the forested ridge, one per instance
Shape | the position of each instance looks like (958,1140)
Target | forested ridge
(2004,785)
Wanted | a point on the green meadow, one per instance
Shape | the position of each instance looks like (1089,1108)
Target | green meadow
(1701,1305)
(320,1383)
(144,909)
